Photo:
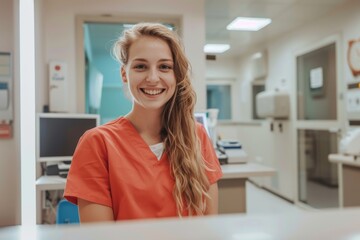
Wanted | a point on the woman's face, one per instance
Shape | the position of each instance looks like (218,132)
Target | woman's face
(149,73)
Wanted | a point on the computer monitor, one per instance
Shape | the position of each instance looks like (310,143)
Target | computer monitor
(201,118)
(58,134)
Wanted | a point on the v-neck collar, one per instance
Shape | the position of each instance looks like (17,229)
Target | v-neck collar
(140,142)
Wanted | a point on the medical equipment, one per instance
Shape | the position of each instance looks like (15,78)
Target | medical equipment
(350,143)
(233,150)
(58,92)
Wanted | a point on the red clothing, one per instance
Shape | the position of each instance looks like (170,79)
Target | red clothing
(113,166)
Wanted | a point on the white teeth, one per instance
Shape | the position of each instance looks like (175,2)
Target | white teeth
(152,91)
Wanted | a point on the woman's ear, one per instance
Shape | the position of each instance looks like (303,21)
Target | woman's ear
(123,74)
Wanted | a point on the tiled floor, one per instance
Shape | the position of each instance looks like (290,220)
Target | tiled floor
(260,201)
(320,196)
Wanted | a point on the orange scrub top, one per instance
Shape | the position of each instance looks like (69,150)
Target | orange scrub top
(113,166)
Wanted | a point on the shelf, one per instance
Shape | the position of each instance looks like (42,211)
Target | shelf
(50,183)
(345,159)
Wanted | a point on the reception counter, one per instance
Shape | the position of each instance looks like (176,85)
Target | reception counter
(329,225)
(349,179)
(232,187)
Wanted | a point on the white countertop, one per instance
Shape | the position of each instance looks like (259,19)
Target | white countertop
(246,170)
(50,183)
(230,171)
(317,225)
(345,159)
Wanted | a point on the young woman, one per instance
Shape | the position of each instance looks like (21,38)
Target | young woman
(156,161)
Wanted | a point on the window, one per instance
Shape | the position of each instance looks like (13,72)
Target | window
(218,95)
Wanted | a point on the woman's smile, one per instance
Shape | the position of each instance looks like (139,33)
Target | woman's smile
(152,91)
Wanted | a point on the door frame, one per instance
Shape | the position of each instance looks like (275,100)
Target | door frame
(336,126)
(80,20)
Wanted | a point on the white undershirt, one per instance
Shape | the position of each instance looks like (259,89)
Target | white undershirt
(157,149)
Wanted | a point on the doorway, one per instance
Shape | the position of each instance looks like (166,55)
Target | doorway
(104,89)
(318,123)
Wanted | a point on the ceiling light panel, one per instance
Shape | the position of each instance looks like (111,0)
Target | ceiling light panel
(216,48)
(248,24)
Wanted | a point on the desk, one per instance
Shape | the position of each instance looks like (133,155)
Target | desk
(324,224)
(232,187)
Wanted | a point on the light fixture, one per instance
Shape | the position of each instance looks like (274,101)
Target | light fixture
(248,24)
(257,55)
(216,48)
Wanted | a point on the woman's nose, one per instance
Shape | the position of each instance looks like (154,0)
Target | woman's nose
(153,76)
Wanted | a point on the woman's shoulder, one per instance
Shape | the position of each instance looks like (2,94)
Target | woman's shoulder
(200,129)
(108,129)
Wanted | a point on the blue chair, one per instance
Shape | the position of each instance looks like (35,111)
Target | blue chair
(67,213)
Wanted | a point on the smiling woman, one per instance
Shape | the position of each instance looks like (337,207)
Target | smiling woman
(157,153)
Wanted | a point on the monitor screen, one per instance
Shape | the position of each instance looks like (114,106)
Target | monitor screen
(201,118)
(58,134)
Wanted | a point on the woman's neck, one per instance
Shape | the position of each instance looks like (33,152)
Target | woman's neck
(148,124)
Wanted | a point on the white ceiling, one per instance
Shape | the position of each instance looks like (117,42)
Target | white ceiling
(286,15)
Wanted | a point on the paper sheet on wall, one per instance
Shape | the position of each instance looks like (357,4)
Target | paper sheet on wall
(316,78)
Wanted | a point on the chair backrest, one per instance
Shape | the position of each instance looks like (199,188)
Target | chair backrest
(67,213)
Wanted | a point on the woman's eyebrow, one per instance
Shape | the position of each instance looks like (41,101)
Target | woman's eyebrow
(140,59)
(160,60)
(165,60)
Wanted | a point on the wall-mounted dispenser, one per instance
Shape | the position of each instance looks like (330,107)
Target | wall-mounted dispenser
(58,87)
(6,95)
(273,104)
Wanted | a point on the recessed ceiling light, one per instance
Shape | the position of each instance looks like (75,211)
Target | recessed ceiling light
(248,24)
(216,48)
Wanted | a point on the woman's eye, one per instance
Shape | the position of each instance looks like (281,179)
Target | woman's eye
(140,66)
(165,67)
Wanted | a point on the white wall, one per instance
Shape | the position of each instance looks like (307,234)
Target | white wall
(221,68)
(9,157)
(277,151)
(58,37)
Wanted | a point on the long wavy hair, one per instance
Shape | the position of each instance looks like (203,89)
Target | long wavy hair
(179,128)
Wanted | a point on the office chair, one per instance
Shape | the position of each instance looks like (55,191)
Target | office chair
(67,213)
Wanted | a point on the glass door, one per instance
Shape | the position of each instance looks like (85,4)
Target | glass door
(318,123)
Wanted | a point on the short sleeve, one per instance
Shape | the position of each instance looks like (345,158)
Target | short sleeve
(213,171)
(88,177)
